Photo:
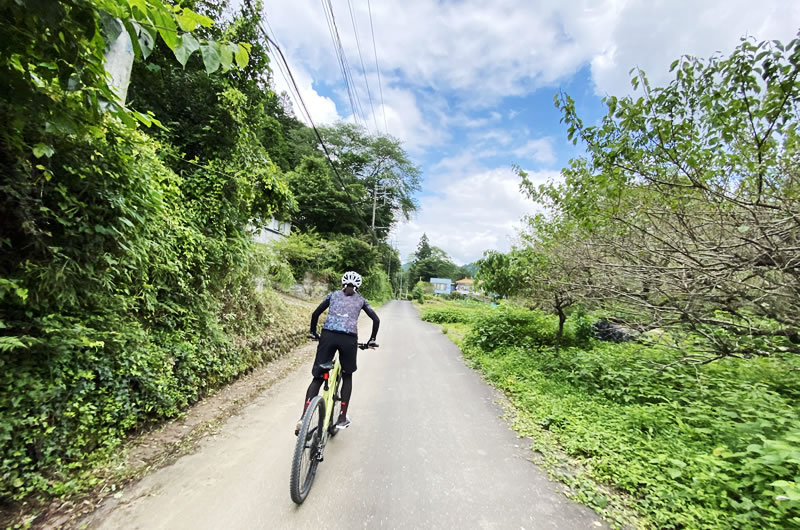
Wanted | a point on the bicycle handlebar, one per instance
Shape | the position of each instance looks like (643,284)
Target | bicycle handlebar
(361,345)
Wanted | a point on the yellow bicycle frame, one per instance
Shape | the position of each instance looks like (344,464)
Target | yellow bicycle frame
(327,395)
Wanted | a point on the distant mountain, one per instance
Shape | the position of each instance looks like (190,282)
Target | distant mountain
(472,268)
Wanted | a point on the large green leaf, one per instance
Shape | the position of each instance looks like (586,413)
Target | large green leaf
(226,52)
(188,20)
(166,27)
(40,150)
(241,56)
(211,57)
(188,45)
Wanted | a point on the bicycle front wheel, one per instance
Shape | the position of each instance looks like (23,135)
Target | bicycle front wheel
(306,451)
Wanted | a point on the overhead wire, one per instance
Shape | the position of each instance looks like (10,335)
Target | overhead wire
(363,68)
(310,120)
(289,88)
(342,64)
(377,68)
(346,71)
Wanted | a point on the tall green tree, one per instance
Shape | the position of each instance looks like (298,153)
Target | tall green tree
(384,176)
(423,248)
(429,262)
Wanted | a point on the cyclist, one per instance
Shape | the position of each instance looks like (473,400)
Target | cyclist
(339,332)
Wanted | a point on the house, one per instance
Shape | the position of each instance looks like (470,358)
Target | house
(272,231)
(442,285)
(465,286)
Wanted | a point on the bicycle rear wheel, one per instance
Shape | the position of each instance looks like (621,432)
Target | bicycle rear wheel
(306,451)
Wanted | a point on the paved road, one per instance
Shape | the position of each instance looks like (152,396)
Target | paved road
(427,449)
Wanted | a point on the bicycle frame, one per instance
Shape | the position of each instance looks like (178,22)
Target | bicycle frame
(328,394)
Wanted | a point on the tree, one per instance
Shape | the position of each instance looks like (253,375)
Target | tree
(321,205)
(387,179)
(545,272)
(430,262)
(423,248)
(687,202)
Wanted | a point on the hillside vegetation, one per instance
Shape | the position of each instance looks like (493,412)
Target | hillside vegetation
(130,286)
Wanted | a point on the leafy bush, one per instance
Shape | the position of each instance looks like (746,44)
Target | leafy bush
(456,296)
(303,251)
(376,287)
(713,446)
(274,269)
(579,327)
(448,314)
(508,325)
(418,292)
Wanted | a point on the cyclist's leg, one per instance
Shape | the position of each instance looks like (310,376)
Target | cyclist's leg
(348,357)
(347,390)
(325,352)
(313,390)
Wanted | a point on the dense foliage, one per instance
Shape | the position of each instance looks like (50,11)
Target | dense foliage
(129,286)
(711,446)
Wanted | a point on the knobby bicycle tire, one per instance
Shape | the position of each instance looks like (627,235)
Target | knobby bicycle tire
(306,449)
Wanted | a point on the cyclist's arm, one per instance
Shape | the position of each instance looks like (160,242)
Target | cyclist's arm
(376,322)
(317,312)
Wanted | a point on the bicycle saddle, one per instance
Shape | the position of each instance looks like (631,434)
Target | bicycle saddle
(327,366)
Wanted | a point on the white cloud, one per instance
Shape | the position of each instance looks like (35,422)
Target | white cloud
(446,65)
(539,150)
(406,119)
(651,35)
(322,109)
(473,213)
(488,50)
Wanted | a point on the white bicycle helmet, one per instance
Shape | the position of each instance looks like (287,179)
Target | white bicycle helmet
(351,277)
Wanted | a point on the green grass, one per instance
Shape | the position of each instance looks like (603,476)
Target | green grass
(712,446)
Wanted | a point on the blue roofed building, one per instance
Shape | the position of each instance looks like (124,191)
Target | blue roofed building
(442,285)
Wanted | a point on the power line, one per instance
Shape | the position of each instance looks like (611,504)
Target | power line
(311,121)
(363,69)
(375,50)
(337,49)
(294,96)
(345,65)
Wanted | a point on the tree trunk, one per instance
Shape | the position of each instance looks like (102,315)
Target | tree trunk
(562,317)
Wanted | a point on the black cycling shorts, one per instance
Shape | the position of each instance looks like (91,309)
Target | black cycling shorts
(329,343)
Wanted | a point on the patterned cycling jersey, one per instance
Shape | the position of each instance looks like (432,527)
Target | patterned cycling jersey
(343,312)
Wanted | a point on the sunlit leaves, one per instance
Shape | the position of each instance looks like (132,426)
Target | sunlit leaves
(188,20)
(242,54)
(43,150)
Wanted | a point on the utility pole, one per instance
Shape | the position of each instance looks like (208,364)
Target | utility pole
(374,205)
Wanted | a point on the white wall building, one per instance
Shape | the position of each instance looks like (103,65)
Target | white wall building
(273,231)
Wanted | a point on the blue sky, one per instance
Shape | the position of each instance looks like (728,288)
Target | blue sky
(468,86)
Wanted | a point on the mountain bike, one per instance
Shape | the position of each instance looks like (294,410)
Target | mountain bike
(317,428)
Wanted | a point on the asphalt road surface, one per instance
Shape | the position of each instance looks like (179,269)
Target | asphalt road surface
(427,449)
